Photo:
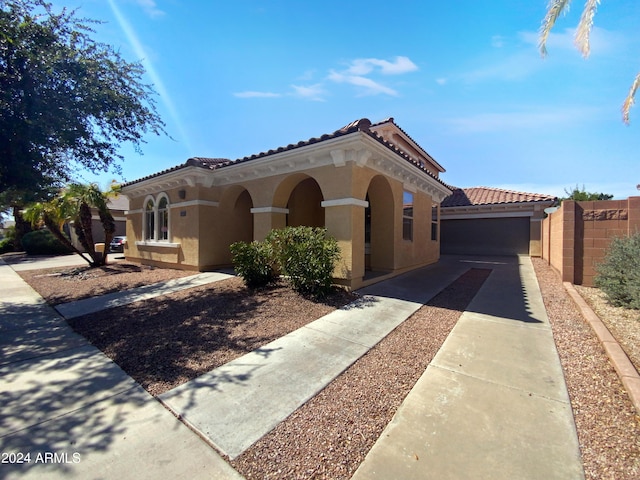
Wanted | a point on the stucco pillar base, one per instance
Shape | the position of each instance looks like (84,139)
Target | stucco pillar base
(265,221)
(346,224)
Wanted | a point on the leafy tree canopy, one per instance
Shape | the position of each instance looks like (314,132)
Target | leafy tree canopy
(582,195)
(67,102)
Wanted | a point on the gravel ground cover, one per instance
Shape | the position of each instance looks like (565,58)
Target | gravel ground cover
(623,323)
(607,424)
(166,341)
(67,284)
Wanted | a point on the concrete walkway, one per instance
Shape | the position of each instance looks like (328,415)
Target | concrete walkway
(492,404)
(75,412)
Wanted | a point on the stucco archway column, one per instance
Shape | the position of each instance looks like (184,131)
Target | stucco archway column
(344,220)
(266,219)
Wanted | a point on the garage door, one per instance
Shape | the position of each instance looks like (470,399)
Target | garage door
(485,236)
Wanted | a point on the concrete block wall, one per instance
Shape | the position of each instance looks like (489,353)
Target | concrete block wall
(577,235)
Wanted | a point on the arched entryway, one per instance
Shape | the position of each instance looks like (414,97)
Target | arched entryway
(302,197)
(236,219)
(379,226)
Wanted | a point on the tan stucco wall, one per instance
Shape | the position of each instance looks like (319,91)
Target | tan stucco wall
(183,227)
(206,220)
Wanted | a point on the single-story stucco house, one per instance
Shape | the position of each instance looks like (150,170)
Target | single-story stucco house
(371,185)
(493,221)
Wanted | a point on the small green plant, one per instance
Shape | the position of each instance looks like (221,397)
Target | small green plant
(6,245)
(42,242)
(255,263)
(618,276)
(306,256)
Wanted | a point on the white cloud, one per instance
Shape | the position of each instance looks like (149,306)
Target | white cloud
(353,74)
(441,81)
(312,92)
(363,66)
(151,8)
(367,85)
(254,94)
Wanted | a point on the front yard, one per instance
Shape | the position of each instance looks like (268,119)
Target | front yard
(169,340)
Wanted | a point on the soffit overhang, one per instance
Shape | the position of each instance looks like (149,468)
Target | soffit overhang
(359,149)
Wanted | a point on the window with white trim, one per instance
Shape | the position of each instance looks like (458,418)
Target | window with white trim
(434,223)
(163,219)
(149,220)
(407,216)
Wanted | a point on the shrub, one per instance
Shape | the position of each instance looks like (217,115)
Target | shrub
(306,256)
(42,242)
(6,245)
(255,263)
(619,274)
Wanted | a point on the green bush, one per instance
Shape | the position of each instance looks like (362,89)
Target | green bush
(255,263)
(619,275)
(42,242)
(306,256)
(6,245)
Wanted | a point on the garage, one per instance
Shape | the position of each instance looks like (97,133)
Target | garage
(485,236)
(492,221)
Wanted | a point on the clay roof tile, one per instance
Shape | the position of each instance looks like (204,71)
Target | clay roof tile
(463,197)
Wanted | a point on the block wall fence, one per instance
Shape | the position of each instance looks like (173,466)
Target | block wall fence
(576,236)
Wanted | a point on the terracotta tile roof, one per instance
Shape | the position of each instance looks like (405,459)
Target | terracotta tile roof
(206,162)
(361,125)
(464,197)
(392,120)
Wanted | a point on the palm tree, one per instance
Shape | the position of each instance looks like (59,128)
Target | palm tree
(583,32)
(85,197)
(53,215)
(74,204)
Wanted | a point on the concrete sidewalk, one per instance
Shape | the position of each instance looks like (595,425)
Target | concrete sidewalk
(21,262)
(75,412)
(493,403)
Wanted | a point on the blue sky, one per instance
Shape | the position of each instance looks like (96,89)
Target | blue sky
(464,79)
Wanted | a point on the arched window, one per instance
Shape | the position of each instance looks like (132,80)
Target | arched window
(163,219)
(149,220)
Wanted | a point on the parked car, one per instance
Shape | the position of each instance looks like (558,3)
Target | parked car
(117,244)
